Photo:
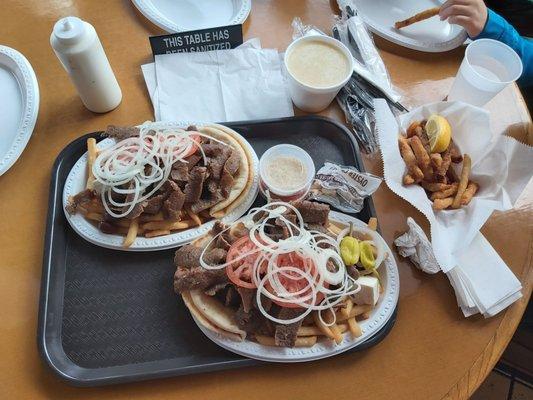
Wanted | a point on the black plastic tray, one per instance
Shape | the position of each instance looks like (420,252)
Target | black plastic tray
(109,316)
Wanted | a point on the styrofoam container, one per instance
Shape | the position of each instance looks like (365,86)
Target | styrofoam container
(315,99)
(275,192)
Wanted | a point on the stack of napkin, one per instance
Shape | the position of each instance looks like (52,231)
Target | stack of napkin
(245,83)
(501,165)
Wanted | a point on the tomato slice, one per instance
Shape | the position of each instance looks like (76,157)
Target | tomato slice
(193,148)
(291,281)
(240,272)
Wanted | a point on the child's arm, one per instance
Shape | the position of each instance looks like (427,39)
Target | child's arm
(480,22)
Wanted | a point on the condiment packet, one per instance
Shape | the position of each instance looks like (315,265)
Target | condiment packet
(415,245)
(343,187)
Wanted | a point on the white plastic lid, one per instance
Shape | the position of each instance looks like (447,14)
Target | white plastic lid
(69,30)
(291,151)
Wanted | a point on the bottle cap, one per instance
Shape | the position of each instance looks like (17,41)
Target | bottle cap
(69,30)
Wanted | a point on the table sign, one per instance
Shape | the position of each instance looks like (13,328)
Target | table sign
(220,38)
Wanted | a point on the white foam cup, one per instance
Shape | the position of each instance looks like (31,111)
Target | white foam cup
(315,99)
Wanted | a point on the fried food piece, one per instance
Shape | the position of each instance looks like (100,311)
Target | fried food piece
(442,194)
(470,191)
(463,182)
(157,232)
(431,12)
(412,129)
(446,161)
(455,154)
(410,160)
(422,158)
(436,161)
(452,175)
(441,204)
(408,180)
(434,186)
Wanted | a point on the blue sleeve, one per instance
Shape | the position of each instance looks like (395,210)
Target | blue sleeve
(498,28)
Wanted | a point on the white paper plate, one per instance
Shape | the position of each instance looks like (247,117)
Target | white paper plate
(19,105)
(326,348)
(431,35)
(77,179)
(189,15)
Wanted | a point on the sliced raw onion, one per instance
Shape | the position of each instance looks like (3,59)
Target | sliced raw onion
(131,166)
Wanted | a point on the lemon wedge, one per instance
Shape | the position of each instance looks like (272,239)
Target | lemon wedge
(439,133)
(367,256)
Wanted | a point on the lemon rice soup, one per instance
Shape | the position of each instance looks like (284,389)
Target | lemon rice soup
(318,64)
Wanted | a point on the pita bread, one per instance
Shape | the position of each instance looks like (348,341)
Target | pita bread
(242,177)
(215,313)
(225,207)
(206,323)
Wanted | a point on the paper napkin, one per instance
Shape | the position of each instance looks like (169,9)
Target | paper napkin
(223,85)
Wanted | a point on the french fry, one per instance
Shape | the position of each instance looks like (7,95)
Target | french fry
(300,341)
(219,214)
(132,233)
(442,194)
(167,225)
(422,157)
(410,160)
(431,12)
(265,340)
(470,191)
(463,182)
(373,223)
(91,156)
(356,311)
(311,330)
(305,341)
(335,229)
(150,218)
(441,204)
(354,327)
(195,218)
(348,304)
(157,232)
(337,334)
(323,328)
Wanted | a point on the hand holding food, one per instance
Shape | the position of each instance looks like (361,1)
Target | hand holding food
(470,14)
(429,152)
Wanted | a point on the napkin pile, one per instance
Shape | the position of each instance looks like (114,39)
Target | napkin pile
(501,165)
(245,83)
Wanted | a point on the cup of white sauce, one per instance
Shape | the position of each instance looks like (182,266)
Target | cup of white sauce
(286,173)
(318,67)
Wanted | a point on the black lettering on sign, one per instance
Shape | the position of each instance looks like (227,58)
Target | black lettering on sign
(221,38)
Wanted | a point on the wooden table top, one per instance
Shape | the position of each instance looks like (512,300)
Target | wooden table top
(433,352)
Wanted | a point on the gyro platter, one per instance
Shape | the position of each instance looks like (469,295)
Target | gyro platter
(326,281)
(158,185)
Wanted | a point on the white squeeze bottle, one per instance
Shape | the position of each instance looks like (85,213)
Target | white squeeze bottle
(78,47)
